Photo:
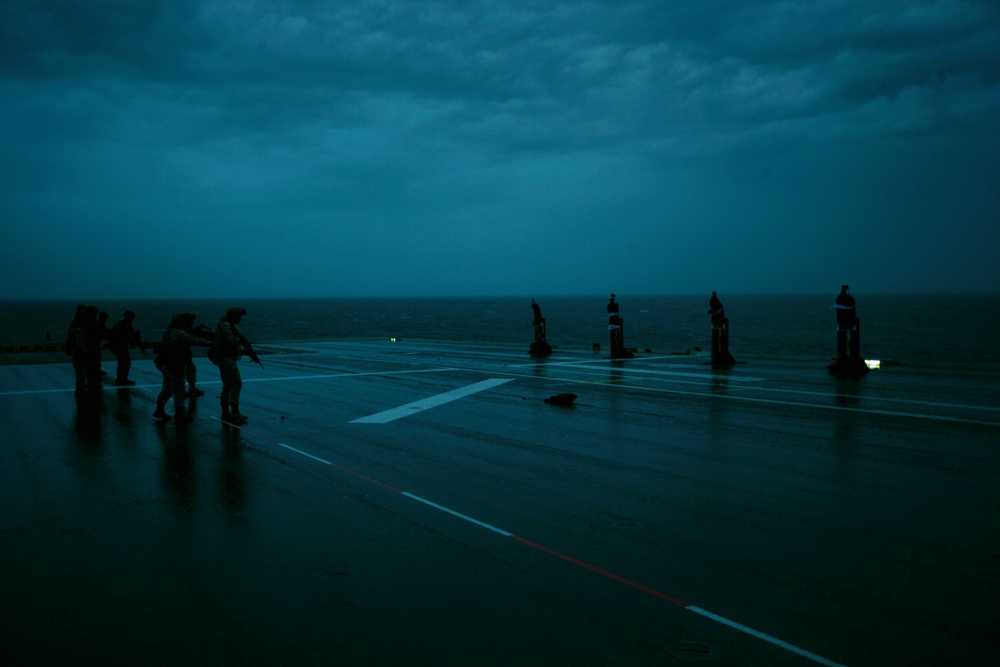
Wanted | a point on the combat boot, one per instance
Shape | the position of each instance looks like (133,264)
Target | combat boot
(195,392)
(237,416)
(227,416)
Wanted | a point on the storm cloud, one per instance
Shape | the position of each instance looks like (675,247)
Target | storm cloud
(211,148)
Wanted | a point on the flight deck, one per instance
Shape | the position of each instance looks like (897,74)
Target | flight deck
(418,503)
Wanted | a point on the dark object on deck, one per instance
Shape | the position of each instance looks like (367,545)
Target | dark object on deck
(561,399)
(720,334)
(540,347)
(616,330)
(849,362)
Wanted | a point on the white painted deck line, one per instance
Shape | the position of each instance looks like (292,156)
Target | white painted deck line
(393,414)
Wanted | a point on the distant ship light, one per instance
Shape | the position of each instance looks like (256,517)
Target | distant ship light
(873,364)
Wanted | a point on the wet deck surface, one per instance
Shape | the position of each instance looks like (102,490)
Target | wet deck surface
(418,504)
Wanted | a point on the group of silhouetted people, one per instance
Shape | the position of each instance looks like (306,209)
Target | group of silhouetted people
(85,339)
(174,358)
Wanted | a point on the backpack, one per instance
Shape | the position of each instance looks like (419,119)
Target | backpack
(164,356)
(69,345)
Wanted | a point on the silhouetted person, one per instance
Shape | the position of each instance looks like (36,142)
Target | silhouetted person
(614,324)
(228,346)
(847,315)
(121,338)
(720,333)
(81,339)
(540,346)
(95,333)
(616,331)
(716,310)
(103,334)
(849,361)
(172,360)
(191,372)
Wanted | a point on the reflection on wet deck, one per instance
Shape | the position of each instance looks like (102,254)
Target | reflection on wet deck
(419,503)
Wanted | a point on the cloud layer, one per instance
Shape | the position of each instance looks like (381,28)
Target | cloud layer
(379,147)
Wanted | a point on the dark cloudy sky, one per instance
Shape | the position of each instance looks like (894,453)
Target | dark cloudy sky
(498,147)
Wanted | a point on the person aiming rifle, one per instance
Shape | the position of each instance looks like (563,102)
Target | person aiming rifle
(228,346)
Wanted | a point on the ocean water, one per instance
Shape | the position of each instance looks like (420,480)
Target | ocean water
(939,330)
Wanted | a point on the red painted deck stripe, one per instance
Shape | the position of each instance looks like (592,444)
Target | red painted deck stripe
(604,573)
(587,566)
(367,479)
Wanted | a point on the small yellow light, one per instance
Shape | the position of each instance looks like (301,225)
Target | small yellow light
(392,340)
(873,364)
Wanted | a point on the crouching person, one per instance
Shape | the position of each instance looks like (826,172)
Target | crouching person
(173,357)
(227,348)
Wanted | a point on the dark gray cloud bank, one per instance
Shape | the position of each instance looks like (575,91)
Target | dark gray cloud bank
(224,147)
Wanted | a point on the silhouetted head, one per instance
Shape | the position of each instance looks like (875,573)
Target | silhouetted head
(235,314)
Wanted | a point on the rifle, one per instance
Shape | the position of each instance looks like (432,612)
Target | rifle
(141,344)
(249,350)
